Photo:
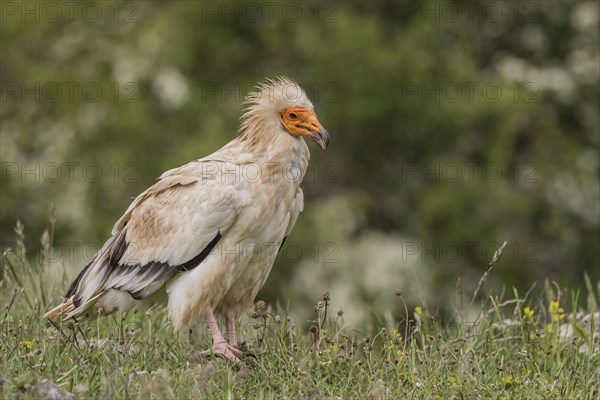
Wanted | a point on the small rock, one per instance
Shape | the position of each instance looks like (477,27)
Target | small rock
(50,391)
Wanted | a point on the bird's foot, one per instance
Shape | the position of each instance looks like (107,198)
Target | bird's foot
(243,346)
(225,350)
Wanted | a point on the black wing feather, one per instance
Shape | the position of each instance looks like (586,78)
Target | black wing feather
(161,271)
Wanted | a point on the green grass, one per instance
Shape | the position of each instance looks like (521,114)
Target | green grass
(508,347)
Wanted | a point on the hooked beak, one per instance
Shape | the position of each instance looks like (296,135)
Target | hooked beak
(299,121)
(321,137)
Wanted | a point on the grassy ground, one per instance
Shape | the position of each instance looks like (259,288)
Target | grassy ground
(510,347)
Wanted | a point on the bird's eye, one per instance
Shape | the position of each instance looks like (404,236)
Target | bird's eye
(293,116)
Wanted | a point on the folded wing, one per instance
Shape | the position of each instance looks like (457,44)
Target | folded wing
(168,229)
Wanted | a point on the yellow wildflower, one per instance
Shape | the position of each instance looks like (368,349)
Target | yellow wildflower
(418,311)
(510,381)
(558,317)
(528,312)
(554,308)
(26,345)
(556,311)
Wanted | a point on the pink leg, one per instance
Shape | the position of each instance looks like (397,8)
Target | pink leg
(231,331)
(220,346)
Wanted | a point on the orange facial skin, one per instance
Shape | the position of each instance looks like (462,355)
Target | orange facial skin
(300,121)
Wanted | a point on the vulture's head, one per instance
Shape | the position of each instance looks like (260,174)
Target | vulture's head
(281,107)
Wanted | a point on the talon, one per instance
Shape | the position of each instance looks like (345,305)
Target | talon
(224,350)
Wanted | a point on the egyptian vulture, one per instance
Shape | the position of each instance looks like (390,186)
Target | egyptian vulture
(204,237)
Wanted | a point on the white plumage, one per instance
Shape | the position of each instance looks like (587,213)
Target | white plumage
(207,233)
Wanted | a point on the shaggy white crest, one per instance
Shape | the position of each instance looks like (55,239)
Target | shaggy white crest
(277,95)
(271,98)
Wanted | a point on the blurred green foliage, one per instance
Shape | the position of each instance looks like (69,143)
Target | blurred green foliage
(455,126)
